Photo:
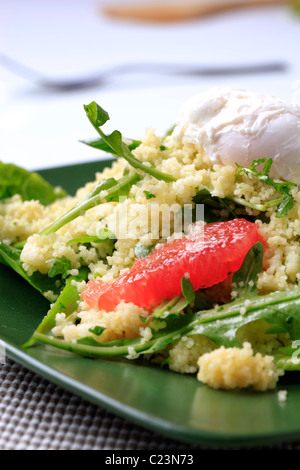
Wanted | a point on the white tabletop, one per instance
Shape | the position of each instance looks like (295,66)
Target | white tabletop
(64,39)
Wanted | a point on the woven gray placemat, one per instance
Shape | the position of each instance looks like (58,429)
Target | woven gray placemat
(36,414)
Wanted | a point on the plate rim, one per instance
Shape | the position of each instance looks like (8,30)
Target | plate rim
(169,430)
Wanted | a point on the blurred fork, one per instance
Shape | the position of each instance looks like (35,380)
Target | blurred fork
(103,76)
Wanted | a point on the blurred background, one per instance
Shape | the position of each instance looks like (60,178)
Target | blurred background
(139,60)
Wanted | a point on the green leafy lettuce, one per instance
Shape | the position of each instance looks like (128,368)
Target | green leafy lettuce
(47,286)
(29,185)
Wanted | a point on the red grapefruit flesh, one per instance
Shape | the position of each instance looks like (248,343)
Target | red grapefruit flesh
(208,256)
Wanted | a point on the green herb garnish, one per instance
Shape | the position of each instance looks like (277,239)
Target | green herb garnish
(148,194)
(286,202)
(98,117)
(214,205)
(59,266)
(97,330)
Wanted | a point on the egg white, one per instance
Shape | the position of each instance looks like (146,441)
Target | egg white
(237,126)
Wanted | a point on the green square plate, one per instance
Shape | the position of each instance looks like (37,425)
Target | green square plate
(175,405)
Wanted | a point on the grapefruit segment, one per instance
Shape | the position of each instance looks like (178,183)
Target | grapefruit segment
(208,256)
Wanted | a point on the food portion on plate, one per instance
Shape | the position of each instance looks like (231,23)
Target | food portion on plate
(184,252)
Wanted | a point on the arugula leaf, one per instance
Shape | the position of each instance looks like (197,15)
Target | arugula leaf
(106,239)
(30,185)
(66,303)
(212,206)
(286,202)
(59,266)
(176,306)
(245,279)
(100,144)
(276,309)
(106,234)
(88,239)
(10,256)
(98,117)
(103,236)
(188,291)
(105,191)
(287,357)
(121,348)
(169,308)
(220,325)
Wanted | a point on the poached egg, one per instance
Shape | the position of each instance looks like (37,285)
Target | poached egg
(235,126)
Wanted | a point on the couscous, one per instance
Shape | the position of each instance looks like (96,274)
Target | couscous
(237,332)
